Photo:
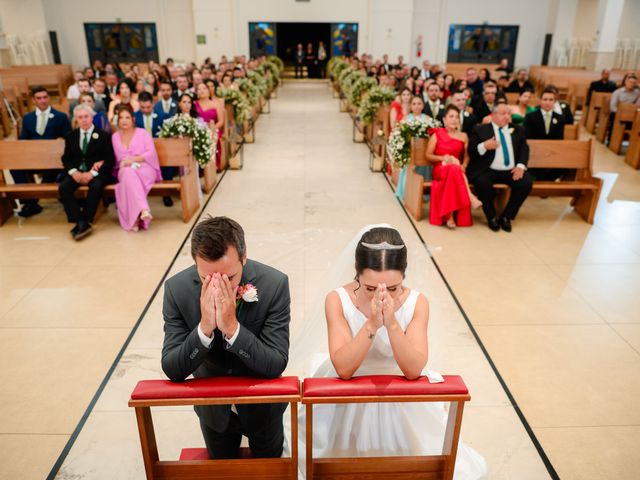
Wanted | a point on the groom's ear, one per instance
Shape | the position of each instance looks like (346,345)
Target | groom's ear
(244,260)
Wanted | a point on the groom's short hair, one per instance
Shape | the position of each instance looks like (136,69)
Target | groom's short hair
(213,236)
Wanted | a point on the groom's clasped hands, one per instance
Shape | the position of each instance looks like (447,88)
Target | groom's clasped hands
(218,305)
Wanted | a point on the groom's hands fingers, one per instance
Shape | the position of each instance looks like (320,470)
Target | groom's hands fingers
(207,307)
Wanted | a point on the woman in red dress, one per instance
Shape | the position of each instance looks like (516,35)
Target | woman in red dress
(451,199)
(400,107)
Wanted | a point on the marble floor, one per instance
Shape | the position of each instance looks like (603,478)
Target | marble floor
(552,302)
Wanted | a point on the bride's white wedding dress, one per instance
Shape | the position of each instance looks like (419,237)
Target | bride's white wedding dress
(381,429)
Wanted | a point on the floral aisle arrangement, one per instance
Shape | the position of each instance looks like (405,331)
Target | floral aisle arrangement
(241,107)
(203,140)
(347,78)
(269,72)
(360,85)
(249,89)
(376,97)
(335,66)
(399,145)
(260,81)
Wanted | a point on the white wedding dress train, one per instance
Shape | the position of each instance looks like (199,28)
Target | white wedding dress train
(379,429)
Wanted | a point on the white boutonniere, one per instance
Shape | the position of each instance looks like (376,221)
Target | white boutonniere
(554,121)
(510,130)
(94,136)
(155,115)
(466,114)
(173,104)
(51,115)
(246,293)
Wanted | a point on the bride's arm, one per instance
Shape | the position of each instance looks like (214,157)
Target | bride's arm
(347,352)
(410,348)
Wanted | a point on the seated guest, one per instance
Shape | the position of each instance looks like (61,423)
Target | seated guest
(181,87)
(521,108)
(400,107)
(73,92)
(503,84)
(433,107)
(140,86)
(151,83)
(227,81)
(459,85)
(87,160)
(545,123)
(100,93)
(504,67)
(145,117)
(520,83)
(451,198)
(44,123)
(111,80)
(483,106)
(447,89)
(99,118)
(425,72)
(467,120)
(137,169)
(499,153)
(416,113)
(562,107)
(628,93)
(211,112)
(484,74)
(602,85)
(166,105)
(474,82)
(124,97)
(84,86)
(186,106)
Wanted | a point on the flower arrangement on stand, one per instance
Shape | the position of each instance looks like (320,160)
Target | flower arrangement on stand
(249,89)
(360,85)
(376,97)
(241,107)
(399,145)
(203,140)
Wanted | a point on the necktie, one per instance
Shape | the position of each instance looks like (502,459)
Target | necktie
(42,123)
(165,106)
(85,142)
(147,123)
(461,121)
(547,122)
(505,150)
(434,109)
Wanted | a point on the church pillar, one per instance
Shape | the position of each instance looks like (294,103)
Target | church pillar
(606,34)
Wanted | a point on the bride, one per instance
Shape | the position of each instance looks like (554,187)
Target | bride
(378,326)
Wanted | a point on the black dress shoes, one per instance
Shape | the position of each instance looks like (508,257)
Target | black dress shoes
(494,225)
(168,201)
(29,210)
(74,230)
(83,229)
(505,224)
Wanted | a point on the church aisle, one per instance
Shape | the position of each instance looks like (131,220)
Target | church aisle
(304,191)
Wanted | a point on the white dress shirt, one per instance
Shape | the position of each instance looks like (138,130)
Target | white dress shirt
(89,133)
(498,160)
(206,341)
(39,118)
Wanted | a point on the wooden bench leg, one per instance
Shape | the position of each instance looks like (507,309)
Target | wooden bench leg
(294,440)
(210,178)
(616,137)
(413,192)
(147,440)
(451,437)
(309,440)
(586,203)
(6,209)
(189,185)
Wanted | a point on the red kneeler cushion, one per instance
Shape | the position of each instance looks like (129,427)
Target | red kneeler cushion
(203,454)
(381,385)
(216,387)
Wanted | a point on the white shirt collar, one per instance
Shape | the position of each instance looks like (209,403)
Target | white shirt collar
(43,112)
(89,131)
(496,127)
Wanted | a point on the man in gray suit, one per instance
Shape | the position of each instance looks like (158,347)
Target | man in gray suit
(210,330)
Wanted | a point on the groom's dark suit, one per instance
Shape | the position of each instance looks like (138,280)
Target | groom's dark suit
(260,350)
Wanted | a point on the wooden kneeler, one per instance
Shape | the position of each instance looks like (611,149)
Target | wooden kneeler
(386,388)
(194,463)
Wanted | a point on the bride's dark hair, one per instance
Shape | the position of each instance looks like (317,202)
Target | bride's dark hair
(370,253)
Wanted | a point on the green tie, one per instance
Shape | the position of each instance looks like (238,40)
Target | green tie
(547,122)
(85,142)
(505,150)
(42,124)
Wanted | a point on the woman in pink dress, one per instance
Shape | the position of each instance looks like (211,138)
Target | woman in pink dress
(207,110)
(137,169)
(451,199)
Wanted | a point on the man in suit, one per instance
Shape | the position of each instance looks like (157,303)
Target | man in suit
(474,82)
(520,83)
(602,85)
(151,120)
(483,105)
(499,153)
(44,123)
(88,160)
(111,80)
(100,93)
(433,107)
(182,86)
(207,335)
(166,106)
(467,120)
(545,123)
(425,72)
(84,86)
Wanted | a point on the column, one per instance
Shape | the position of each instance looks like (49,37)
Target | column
(606,34)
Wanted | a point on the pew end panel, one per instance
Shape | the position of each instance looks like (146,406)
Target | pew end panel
(633,152)
(625,116)
(386,388)
(214,391)
(415,183)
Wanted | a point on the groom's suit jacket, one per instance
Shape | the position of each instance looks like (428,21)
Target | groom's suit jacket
(260,350)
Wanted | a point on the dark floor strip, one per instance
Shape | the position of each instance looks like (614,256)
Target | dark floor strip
(545,459)
(107,377)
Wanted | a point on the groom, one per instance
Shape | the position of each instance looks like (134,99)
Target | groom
(212,331)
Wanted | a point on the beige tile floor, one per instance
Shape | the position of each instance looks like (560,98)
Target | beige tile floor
(552,302)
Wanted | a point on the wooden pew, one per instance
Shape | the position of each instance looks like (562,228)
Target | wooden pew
(194,462)
(562,154)
(603,121)
(577,96)
(633,152)
(46,154)
(598,99)
(572,132)
(386,388)
(625,115)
